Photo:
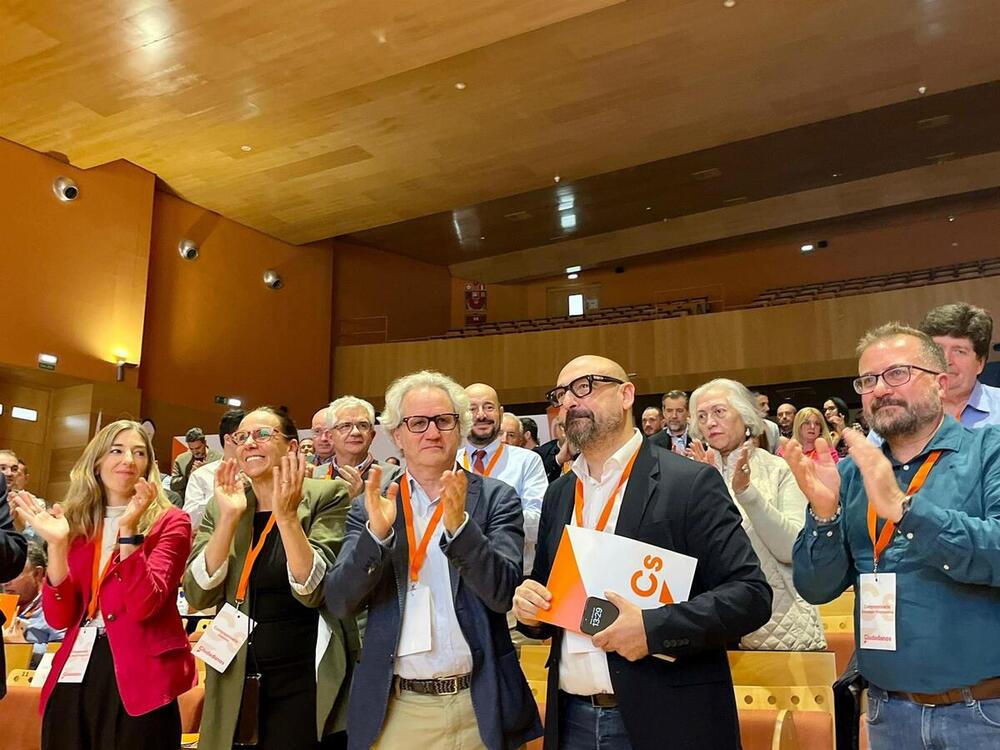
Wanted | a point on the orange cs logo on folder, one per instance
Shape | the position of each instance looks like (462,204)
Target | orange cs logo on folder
(589,562)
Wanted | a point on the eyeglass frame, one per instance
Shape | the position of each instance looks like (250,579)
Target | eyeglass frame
(431,418)
(550,396)
(258,438)
(346,428)
(856,383)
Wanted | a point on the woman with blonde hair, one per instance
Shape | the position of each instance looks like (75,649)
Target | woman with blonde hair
(117,549)
(808,427)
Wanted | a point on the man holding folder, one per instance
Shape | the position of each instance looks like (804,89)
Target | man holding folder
(606,692)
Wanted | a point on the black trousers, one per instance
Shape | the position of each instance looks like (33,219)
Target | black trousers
(90,715)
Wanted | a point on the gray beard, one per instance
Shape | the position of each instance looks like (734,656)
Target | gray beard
(591,433)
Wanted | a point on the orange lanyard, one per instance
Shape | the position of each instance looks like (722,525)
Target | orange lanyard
(97,579)
(915,484)
(417,553)
(241,589)
(490,465)
(602,522)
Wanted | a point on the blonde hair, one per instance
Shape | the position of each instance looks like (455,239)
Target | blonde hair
(86,497)
(800,419)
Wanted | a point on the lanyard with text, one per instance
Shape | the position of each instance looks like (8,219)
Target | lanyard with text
(417,553)
(98,576)
(916,483)
(602,522)
(241,589)
(489,466)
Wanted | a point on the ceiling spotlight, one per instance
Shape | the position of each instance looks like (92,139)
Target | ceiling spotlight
(808,247)
(921,89)
(246,147)
(573,276)
(649,208)
(557,178)
(951,217)
(65,189)
(236,403)
(272,280)
(460,86)
(835,174)
(574,269)
(482,237)
(187,249)
(728,3)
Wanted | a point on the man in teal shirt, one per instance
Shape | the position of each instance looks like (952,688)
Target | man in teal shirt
(929,642)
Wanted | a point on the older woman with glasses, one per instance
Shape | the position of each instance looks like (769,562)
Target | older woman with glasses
(268,537)
(773,508)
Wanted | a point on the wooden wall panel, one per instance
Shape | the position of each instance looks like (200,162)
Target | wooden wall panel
(805,341)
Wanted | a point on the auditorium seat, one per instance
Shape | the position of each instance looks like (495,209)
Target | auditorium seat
(842,605)
(782,668)
(769,730)
(19,718)
(191,704)
(812,705)
(20,676)
(17,656)
(533,659)
(841,644)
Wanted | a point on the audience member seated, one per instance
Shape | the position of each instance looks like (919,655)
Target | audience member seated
(197,455)
(511,430)
(201,485)
(30,625)
(809,426)
(652,421)
(773,508)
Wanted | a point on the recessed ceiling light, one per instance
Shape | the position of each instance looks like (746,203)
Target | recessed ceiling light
(482,237)
(567,220)
(954,244)
(835,174)
(951,217)
(573,276)
(246,147)
(921,89)
(649,208)
(729,3)
(808,247)
(574,269)
(460,86)
(557,178)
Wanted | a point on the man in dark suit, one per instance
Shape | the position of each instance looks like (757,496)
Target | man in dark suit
(610,686)
(13,552)
(674,436)
(436,562)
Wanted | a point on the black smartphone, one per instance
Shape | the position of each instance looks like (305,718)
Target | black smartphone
(597,615)
(247,721)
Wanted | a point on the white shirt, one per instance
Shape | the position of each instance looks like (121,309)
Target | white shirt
(449,654)
(523,470)
(109,545)
(587,673)
(200,488)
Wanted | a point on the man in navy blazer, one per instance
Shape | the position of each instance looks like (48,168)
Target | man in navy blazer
(436,562)
(13,552)
(608,691)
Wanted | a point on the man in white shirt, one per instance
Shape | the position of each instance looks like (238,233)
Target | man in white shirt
(201,483)
(520,468)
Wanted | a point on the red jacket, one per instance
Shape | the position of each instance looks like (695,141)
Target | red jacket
(153,661)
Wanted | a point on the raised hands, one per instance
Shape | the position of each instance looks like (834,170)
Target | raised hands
(287,486)
(698,452)
(741,473)
(453,487)
(50,524)
(818,480)
(229,490)
(880,482)
(352,476)
(381,509)
(145,493)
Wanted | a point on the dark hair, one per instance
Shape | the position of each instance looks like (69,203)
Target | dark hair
(37,555)
(961,321)
(288,428)
(841,406)
(674,394)
(147,419)
(230,423)
(194,434)
(530,427)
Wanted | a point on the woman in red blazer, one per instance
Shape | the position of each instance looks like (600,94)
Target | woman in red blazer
(117,535)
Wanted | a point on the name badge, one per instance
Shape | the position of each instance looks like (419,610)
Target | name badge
(415,635)
(224,638)
(878,611)
(76,665)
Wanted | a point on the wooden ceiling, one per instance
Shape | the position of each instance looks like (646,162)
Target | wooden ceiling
(353,118)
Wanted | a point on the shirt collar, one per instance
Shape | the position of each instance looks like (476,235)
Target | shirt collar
(616,461)
(490,449)
(979,399)
(947,438)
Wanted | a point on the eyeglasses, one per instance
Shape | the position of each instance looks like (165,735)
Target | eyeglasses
(346,428)
(260,435)
(718,412)
(580,387)
(444,422)
(893,377)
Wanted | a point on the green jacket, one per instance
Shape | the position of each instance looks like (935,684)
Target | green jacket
(323,514)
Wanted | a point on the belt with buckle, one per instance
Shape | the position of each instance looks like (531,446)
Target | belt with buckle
(442,686)
(982,691)
(597,700)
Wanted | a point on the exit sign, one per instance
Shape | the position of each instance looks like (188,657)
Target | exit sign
(46,366)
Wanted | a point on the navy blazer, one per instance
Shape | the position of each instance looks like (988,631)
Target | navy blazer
(681,505)
(13,552)
(485,569)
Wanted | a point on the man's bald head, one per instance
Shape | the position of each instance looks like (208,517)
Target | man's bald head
(602,416)
(322,422)
(592,364)
(482,392)
(486,414)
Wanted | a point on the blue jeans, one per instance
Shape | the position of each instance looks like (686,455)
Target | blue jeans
(895,723)
(583,726)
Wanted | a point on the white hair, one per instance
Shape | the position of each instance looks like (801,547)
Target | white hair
(392,415)
(738,396)
(349,402)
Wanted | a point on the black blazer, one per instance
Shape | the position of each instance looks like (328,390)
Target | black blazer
(682,505)
(13,551)
(548,451)
(663,439)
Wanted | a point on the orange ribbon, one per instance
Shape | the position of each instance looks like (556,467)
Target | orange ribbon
(417,553)
(489,466)
(602,522)
(98,576)
(916,483)
(241,589)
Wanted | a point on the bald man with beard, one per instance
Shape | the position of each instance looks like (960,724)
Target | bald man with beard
(608,691)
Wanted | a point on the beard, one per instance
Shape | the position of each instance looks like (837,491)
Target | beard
(584,429)
(916,414)
(486,439)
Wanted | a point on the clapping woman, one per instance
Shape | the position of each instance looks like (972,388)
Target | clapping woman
(267,539)
(117,549)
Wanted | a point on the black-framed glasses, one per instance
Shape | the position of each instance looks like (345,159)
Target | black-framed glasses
(346,428)
(580,387)
(893,377)
(259,435)
(420,423)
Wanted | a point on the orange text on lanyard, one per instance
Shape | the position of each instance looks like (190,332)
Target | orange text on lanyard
(602,522)
(417,553)
(916,483)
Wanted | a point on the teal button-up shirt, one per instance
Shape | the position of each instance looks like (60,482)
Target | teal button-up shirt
(946,557)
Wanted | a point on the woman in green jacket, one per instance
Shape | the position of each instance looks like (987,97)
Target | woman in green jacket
(279,532)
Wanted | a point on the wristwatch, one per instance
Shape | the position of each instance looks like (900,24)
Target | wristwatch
(136,540)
